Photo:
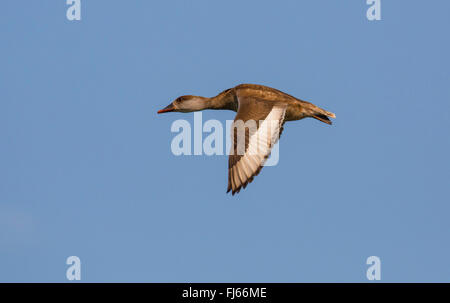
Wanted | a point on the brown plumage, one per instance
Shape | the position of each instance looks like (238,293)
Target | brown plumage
(261,114)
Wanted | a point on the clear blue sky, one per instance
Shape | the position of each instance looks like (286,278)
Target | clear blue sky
(86,167)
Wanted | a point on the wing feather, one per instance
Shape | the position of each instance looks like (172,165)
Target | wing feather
(269,117)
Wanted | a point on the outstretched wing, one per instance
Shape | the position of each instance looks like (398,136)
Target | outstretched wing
(255,130)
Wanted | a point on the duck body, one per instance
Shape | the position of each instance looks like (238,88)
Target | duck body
(252,102)
(227,100)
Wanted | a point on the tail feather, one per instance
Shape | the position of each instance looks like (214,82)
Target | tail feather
(318,113)
(323,115)
(322,118)
(329,114)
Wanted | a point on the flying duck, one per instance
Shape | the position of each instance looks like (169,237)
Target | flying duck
(268,107)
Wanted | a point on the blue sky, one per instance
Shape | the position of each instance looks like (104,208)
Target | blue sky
(86,167)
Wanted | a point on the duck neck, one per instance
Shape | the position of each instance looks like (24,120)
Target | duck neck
(224,100)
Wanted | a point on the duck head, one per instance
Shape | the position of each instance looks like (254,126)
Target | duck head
(186,104)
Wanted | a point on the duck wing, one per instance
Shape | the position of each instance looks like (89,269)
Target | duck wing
(256,129)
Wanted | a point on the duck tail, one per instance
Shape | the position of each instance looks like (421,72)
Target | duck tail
(323,115)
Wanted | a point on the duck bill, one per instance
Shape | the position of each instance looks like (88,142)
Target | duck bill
(168,108)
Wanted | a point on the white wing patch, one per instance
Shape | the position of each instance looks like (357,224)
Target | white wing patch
(259,147)
(262,141)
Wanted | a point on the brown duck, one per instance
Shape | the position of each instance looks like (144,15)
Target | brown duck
(269,107)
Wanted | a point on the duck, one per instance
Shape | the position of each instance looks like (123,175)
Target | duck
(270,108)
